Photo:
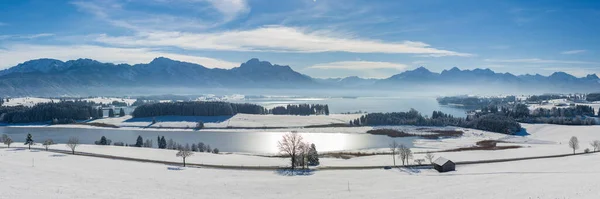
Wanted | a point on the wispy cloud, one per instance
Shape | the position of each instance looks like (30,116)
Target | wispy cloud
(3,24)
(230,8)
(114,13)
(12,55)
(359,65)
(17,37)
(570,52)
(538,61)
(275,39)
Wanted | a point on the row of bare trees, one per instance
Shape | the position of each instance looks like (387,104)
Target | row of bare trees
(403,152)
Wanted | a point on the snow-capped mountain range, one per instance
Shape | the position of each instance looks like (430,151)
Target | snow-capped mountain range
(87,77)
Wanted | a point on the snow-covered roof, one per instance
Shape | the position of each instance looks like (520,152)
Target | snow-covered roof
(440,161)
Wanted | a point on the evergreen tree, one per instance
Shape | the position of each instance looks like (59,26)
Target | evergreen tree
(111,113)
(164,142)
(121,113)
(313,156)
(29,140)
(139,142)
(100,112)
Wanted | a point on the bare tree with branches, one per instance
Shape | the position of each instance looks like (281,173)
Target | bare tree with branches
(72,143)
(429,156)
(394,148)
(47,143)
(574,143)
(8,141)
(405,153)
(596,145)
(290,145)
(303,154)
(185,152)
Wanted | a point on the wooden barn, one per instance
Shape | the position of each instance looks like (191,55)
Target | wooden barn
(443,165)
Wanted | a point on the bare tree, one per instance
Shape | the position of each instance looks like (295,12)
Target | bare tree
(7,141)
(303,154)
(405,153)
(394,148)
(184,153)
(574,143)
(596,145)
(429,156)
(47,143)
(72,143)
(290,145)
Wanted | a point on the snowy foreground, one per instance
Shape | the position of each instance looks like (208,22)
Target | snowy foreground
(39,174)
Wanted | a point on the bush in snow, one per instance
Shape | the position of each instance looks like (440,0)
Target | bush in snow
(103,141)
(586,150)
(215,151)
(7,140)
(119,144)
(47,143)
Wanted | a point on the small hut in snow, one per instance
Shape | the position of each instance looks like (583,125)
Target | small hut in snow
(443,165)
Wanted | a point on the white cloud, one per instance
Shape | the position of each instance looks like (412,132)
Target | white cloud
(113,13)
(570,52)
(360,65)
(275,39)
(3,24)
(12,55)
(230,8)
(537,61)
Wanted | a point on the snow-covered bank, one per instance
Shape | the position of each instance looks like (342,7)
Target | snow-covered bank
(28,174)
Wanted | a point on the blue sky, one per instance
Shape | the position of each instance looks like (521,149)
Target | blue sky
(321,38)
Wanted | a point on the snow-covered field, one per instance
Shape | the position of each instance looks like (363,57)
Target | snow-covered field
(109,100)
(37,174)
(563,103)
(26,101)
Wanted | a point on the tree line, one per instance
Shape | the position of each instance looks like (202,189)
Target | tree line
(63,112)
(592,97)
(301,109)
(223,109)
(162,143)
(474,102)
(574,115)
(196,109)
(489,122)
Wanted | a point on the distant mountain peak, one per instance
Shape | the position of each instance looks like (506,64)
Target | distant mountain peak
(592,77)
(43,65)
(161,59)
(421,69)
